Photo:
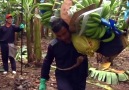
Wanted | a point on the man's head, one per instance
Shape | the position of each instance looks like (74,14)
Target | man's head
(9,18)
(61,30)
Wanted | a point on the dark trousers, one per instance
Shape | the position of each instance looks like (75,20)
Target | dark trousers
(72,80)
(65,84)
(5,57)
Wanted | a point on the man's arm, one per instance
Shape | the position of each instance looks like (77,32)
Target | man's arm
(18,29)
(46,67)
(47,63)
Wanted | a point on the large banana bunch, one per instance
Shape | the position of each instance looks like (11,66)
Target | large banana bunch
(49,10)
(95,29)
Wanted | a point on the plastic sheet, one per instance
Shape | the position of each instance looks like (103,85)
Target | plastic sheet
(85,17)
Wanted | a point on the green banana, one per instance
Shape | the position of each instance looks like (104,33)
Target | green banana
(96,35)
(47,14)
(97,15)
(96,2)
(110,38)
(90,21)
(46,5)
(91,25)
(46,20)
(124,25)
(112,2)
(75,2)
(100,30)
(90,2)
(105,11)
(90,32)
(85,3)
(97,20)
(103,31)
(45,8)
(80,6)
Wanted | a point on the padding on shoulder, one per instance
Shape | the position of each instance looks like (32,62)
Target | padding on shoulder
(53,42)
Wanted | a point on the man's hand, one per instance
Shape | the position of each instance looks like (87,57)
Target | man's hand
(22,26)
(42,85)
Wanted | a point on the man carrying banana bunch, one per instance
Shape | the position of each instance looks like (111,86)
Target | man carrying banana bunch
(72,67)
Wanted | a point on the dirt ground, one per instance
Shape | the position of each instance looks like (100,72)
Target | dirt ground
(29,80)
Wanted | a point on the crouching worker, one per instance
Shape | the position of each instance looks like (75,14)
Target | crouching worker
(70,75)
(7,37)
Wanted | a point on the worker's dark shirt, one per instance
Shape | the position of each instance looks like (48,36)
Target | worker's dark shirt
(7,34)
(65,56)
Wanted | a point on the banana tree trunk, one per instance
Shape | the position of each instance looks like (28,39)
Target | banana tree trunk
(29,45)
(18,20)
(37,39)
(32,30)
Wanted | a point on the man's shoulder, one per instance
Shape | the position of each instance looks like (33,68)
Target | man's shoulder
(53,42)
